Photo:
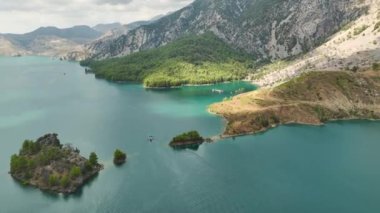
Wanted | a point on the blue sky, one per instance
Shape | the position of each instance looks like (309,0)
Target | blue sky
(20,16)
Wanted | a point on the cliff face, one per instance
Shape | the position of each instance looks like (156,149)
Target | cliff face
(268,29)
(355,47)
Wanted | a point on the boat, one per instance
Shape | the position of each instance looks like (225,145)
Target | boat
(217,91)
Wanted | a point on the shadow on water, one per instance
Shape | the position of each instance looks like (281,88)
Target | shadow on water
(53,195)
(79,192)
(193,147)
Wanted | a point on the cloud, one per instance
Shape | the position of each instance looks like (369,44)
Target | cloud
(114,2)
(19,16)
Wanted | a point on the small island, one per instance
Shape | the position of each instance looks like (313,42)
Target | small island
(190,140)
(51,166)
(119,157)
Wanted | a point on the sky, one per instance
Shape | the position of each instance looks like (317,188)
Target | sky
(20,16)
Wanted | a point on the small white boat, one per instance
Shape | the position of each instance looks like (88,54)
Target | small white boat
(217,91)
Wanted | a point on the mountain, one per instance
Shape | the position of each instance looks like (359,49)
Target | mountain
(78,34)
(103,28)
(193,59)
(355,47)
(267,29)
(50,41)
(113,33)
(338,80)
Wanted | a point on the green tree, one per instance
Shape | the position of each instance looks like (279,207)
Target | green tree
(75,172)
(93,159)
(376,66)
(65,181)
(119,156)
(53,180)
(18,163)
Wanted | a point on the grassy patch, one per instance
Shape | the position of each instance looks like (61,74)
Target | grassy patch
(377,26)
(272,67)
(359,30)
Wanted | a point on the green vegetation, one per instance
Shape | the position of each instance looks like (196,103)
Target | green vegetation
(53,180)
(65,181)
(29,148)
(25,164)
(119,156)
(93,159)
(75,172)
(358,30)
(269,68)
(376,66)
(192,59)
(188,136)
(21,164)
(377,26)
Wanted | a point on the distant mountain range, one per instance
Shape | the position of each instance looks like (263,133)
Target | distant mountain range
(66,43)
(49,41)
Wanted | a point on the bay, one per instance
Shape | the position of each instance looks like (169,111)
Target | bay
(294,168)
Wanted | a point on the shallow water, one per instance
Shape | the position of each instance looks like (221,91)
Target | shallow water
(333,168)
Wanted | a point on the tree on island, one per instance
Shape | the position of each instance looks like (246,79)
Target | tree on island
(93,159)
(119,157)
(188,136)
(190,140)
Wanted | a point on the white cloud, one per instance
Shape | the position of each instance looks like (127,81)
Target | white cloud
(19,16)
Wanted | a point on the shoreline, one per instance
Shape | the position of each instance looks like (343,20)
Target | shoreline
(223,136)
(292,103)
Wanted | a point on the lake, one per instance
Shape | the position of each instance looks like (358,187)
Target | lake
(293,168)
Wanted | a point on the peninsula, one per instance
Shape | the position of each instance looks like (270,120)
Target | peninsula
(51,166)
(312,98)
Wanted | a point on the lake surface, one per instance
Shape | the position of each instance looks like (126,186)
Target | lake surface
(333,168)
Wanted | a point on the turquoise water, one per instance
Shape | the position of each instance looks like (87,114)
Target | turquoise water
(334,168)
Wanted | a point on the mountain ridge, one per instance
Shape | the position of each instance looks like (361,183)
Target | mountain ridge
(266,29)
(48,41)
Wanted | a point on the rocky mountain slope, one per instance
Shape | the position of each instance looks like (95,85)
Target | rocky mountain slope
(49,41)
(356,46)
(268,29)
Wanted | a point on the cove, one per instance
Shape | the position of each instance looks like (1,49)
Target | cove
(294,168)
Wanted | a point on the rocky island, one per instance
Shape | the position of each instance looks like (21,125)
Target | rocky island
(190,140)
(119,157)
(312,98)
(51,166)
